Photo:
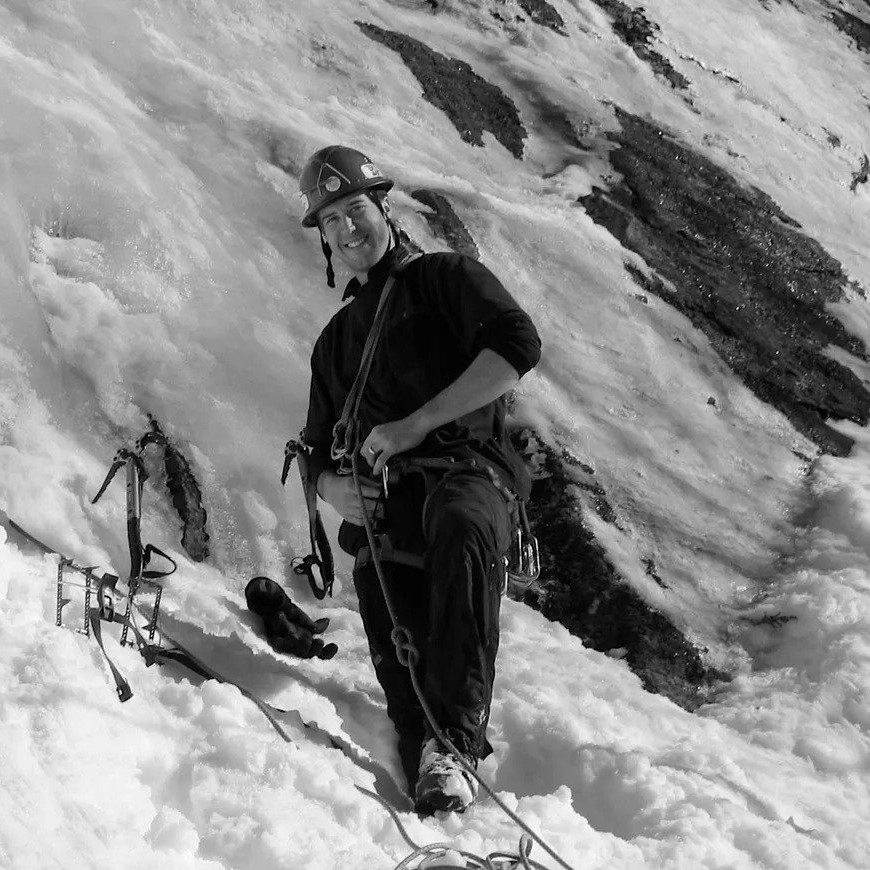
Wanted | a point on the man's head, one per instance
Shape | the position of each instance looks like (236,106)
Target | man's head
(345,196)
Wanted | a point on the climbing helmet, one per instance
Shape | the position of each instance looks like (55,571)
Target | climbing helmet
(333,173)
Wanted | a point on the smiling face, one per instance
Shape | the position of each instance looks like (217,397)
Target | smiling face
(357,232)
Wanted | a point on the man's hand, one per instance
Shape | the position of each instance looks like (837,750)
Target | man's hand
(339,491)
(488,377)
(390,439)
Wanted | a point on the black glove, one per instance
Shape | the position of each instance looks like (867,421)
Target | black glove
(288,628)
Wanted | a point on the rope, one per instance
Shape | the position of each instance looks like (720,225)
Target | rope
(344,433)
(409,657)
(439,850)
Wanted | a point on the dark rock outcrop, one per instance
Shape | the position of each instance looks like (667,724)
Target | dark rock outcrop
(636,31)
(541,12)
(444,222)
(581,589)
(737,266)
(853,26)
(862,175)
(185,492)
(472,104)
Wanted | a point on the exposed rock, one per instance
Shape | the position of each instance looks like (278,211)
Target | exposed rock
(187,500)
(472,104)
(444,222)
(737,266)
(184,491)
(636,31)
(853,26)
(541,12)
(833,139)
(862,175)
(599,497)
(776,620)
(651,571)
(581,589)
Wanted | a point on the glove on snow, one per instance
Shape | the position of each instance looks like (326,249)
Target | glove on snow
(288,628)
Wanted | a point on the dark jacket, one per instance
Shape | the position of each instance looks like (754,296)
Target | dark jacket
(445,309)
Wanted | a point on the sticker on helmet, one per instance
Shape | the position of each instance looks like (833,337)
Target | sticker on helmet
(332,183)
(369,170)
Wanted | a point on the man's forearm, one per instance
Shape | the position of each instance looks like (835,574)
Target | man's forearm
(488,377)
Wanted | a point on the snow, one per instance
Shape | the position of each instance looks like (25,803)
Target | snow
(151,261)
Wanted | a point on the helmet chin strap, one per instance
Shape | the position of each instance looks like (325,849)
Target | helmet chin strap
(397,235)
(327,252)
(380,200)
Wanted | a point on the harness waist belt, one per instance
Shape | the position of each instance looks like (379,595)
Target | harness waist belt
(388,553)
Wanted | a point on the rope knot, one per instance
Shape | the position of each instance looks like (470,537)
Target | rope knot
(407,654)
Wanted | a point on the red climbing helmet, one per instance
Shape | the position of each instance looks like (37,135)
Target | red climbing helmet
(334,172)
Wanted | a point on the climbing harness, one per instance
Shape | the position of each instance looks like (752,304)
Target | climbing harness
(522,562)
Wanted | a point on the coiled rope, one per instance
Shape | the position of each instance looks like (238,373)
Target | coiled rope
(493,861)
(409,657)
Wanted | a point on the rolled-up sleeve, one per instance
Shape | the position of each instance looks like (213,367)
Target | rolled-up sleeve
(513,336)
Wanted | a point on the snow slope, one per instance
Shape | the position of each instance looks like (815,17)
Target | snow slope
(152,261)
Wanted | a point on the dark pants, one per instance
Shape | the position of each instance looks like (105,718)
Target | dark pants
(451,608)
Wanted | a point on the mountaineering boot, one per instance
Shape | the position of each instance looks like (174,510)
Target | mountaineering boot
(443,783)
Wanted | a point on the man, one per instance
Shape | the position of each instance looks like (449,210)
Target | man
(453,343)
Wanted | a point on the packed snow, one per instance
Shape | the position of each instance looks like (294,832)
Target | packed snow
(152,262)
